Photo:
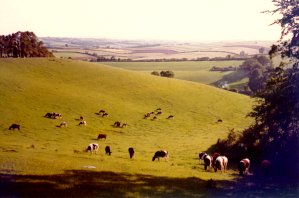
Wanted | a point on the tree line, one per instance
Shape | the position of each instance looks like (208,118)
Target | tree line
(274,135)
(22,45)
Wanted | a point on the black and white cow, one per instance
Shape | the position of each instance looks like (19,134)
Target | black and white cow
(207,160)
(244,165)
(162,153)
(83,122)
(63,124)
(93,148)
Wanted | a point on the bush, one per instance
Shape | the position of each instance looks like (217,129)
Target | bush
(155,73)
(168,74)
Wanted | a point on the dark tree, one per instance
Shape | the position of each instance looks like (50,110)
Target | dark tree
(22,44)
(275,133)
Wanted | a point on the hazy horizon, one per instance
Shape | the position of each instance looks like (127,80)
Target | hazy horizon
(192,20)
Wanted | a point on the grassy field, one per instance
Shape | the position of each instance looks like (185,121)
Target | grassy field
(72,55)
(198,71)
(41,155)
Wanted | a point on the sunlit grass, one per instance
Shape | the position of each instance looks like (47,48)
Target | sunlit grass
(32,87)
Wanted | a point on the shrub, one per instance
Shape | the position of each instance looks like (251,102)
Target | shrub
(168,74)
(155,73)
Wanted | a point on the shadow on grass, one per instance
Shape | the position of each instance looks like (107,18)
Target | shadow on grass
(232,77)
(85,183)
(81,183)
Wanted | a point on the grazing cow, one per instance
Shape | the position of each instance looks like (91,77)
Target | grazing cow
(124,125)
(154,118)
(107,150)
(93,147)
(102,136)
(105,115)
(63,124)
(131,152)
(56,115)
(161,153)
(81,118)
(15,126)
(244,165)
(170,117)
(82,122)
(158,109)
(53,115)
(49,115)
(219,120)
(266,167)
(147,115)
(117,124)
(159,113)
(221,164)
(207,160)
(101,111)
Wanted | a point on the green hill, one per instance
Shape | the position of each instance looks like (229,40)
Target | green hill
(32,87)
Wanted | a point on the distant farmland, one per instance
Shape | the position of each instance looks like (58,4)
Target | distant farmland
(151,50)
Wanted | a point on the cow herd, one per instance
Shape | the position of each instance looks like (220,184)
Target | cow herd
(216,161)
(153,115)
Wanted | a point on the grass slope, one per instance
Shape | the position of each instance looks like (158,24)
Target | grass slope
(32,87)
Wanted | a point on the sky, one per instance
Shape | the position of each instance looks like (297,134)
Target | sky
(182,20)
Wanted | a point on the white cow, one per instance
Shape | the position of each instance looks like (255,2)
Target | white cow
(221,163)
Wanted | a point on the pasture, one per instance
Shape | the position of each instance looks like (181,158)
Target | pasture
(51,160)
(198,71)
(72,55)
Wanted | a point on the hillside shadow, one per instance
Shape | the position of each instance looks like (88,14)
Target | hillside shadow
(86,183)
(231,77)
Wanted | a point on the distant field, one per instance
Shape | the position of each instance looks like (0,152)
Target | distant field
(198,71)
(73,55)
(145,50)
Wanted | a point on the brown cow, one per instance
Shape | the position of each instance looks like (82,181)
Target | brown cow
(102,136)
(14,126)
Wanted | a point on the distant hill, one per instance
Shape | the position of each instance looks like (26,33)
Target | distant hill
(32,87)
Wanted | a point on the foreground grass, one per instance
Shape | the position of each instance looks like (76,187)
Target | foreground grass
(32,87)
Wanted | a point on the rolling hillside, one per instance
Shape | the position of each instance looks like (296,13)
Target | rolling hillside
(32,87)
